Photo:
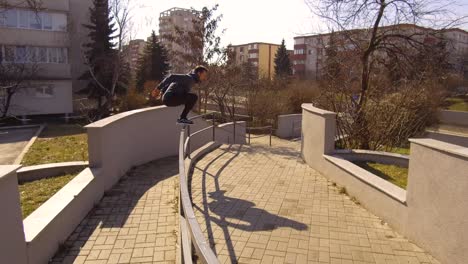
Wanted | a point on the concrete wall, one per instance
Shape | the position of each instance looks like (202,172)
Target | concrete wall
(32,173)
(432,211)
(116,144)
(12,244)
(289,126)
(456,139)
(374,156)
(453,117)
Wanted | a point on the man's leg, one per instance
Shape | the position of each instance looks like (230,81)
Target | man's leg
(190,101)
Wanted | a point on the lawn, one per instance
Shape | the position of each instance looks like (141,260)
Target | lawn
(457,104)
(403,151)
(392,173)
(34,194)
(58,143)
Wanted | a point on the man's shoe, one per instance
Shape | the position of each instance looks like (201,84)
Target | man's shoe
(184,121)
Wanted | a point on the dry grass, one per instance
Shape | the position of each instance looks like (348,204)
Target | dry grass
(392,173)
(34,194)
(58,143)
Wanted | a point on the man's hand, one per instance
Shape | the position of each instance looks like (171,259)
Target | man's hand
(156,93)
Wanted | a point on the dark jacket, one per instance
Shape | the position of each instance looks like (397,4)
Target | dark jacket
(178,84)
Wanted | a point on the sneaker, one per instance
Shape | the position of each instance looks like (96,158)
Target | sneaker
(184,121)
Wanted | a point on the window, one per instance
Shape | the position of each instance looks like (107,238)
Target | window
(241,49)
(11,18)
(62,55)
(42,54)
(59,22)
(24,18)
(242,58)
(47,21)
(32,54)
(45,91)
(253,55)
(255,63)
(21,54)
(52,54)
(35,20)
(299,51)
(9,53)
(1,54)
(310,52)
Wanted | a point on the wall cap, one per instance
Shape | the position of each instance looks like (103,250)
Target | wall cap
(109,120)
(310,108)
(441,146)
(6,170)
(53,165)
(371,152)
(369,178)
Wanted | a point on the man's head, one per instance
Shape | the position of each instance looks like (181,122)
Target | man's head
(201,72)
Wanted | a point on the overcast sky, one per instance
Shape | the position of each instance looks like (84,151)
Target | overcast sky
(245,20)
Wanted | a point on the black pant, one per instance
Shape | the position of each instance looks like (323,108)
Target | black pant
(188,100)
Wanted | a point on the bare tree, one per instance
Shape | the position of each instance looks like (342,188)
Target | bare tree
(14,77)
(122,11)
(379,32)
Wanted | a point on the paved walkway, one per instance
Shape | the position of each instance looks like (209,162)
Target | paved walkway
(264,205)
(135,222)
(12,142)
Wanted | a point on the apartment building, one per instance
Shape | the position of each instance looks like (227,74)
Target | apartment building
(49,38)
(133,51)
(183,19)
(260,55)
(310,54)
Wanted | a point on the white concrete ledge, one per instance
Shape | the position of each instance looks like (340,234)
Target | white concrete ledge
(36,172)
(310,108)
(369,178)
(374,156)
(50,225)
(7,170)
(442,146)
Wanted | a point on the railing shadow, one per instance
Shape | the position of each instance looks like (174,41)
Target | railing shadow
(226,211)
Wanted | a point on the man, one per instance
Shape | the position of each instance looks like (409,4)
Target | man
(175,91)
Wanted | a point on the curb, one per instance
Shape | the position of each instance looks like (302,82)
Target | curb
(28,146)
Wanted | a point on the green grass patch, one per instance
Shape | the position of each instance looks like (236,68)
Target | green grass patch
(457,104)
(34,194)
(392,173)
(58,143)
(403,151)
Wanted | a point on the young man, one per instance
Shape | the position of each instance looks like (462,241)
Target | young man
(175,91)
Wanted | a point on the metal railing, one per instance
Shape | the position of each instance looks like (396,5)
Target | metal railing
(270,128)
(295,127)
(190,231)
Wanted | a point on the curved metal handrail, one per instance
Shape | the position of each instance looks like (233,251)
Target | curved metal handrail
(196,235)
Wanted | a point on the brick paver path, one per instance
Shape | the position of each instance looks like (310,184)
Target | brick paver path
(135,222)
(264,205)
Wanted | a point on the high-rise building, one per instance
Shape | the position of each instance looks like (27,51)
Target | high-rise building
(169,21)
(310,54)
(133,51)
(49,38)
(260,55)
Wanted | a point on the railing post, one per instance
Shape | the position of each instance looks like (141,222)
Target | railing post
(249,135)
(271,131)
(188,143)
(214,126)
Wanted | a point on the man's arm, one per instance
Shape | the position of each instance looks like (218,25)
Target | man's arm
(165,83)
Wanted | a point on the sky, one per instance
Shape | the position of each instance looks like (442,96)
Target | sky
(245,20)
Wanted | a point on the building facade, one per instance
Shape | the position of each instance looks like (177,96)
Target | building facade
(310,53)
(48,38)
(260,55)
(169,21)
(133,51)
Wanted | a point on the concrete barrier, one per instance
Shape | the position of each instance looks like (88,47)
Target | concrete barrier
(354,155)
(37,172)
(452,138)
(432,211)
(458,118)
(289,126)
(115,145)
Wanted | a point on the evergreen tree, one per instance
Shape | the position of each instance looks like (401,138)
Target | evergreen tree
(153,64)
(282,62)
(332,67)
(100,53)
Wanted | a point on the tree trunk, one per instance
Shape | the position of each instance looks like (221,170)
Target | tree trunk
(8,102)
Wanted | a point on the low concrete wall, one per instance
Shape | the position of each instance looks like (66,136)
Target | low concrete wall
(115,144)
(289,126)
(50,225)
(456,139)
(432,212)
(458,118)
(37,172)
(374,156)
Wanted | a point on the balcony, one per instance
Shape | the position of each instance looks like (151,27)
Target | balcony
(31,37)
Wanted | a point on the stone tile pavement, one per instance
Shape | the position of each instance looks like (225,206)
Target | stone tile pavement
(258,204)
(135,222)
